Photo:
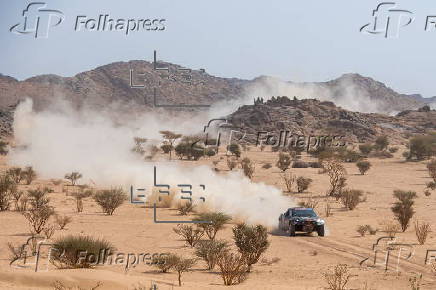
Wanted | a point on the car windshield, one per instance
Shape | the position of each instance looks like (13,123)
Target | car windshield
(304,213)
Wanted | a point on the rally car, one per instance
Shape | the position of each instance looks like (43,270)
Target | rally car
(300,219)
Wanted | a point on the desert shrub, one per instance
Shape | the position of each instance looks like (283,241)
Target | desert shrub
(300,164)
(63,221)
(284,161)
(170,137)
(16,253)
(22,206)
(189,150)
(431,166)
(422,147)
(363,166)
(73,177)
(365,148)
(247,167)
(309,203)
(217,221)
(393,149)
(421,231)
(7,188)
(110,199)
(209,152)
(289,179)
(166,148)
(381,143)
(336,172)
(403,208)
(29,175)
(185,207)
(350,156)
(3,147)
(234,149)
(431,185)
(338,279)
(427,192)
(183,265)
(189,234)
(210,250)
(231,163)
(303,183)
(16,173)
(233,267)
(362,230)
(58,285)
(79,196)
(267,165)
(350,198)
(390,227)
(16,197)
(164,262)
(38,197)
(252,242)
(38,217)
(68,249)
(415,282)
(49,231)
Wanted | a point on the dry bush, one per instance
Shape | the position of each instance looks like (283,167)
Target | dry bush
(58,285)
(415,282)
(303,183)
(422,231)
(427,192)
(67,249)
(16,173)
(338,279)
(310,202)
(431,166)
(284,161)
(267,165)
(16,253)
(248,167)
(49,231)
(164,262)
(363,166)
(231,162)
(7,188)
(403,208)
(38,218)
(183,265)
(38,198)
(110,199)
(210,250)
(73,177)
(350,198)
(362,230)
(189,234)
(216,220)
(16,197)
(29,175)
(289,179)
(79,196)
(336,172)
(391,228)
(431,185)
(252,242)
(62,221)
(185,208)
(23,203)
(233,268)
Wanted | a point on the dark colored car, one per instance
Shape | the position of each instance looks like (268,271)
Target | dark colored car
(300,219)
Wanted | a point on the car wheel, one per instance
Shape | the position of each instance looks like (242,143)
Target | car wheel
(292,230)
(320,231)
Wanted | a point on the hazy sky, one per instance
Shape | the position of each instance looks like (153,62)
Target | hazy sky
(293,40)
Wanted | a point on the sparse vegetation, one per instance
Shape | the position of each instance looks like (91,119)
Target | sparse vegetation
(289,179)
(248,167)
(309,202)
(3,147)
(403,208)
(29,175)
(350,198)
(234,150)
(390,228)
(79,196)
(189,234)
(422,147)
(252,242)
(210,250)
(365,148)
(183,265)
(16,173)
(58,285)
(231,163)
(63,221)
(336,172)
(164,262)
(170,137)
(7,189)
(303,183)
(110,199)
(185,208)
(284,161)
(38,217)
(422,230)
(217,221)
(363,166)
(381,143)
(73,177)
(338,278)
(233,267)
(361,229)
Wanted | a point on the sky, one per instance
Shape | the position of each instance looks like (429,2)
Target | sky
(292,40)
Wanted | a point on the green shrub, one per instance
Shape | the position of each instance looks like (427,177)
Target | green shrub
(110,199)
(365,148)
(403,208)
(210,250)
(363,166)
(217,221)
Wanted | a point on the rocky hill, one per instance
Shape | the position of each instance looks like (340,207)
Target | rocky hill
(313,117)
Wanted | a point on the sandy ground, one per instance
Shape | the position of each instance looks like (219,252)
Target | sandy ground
(302,259)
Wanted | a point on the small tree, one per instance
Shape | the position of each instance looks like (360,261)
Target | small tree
(289,179)
(247,167)
(252,242)
(365,148)
(38,197)
(73,177)
(303,183)
(382,142)
(217,221)
(38,218)
(350,198)
(16,173)
(189,234)
(336,172)
(234,149)
(110,199)
(183,265)
(403,208)
(165,262)
(363,166)
(210,250)
(170,138)
(29,175)
(233,267)
(284,161)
